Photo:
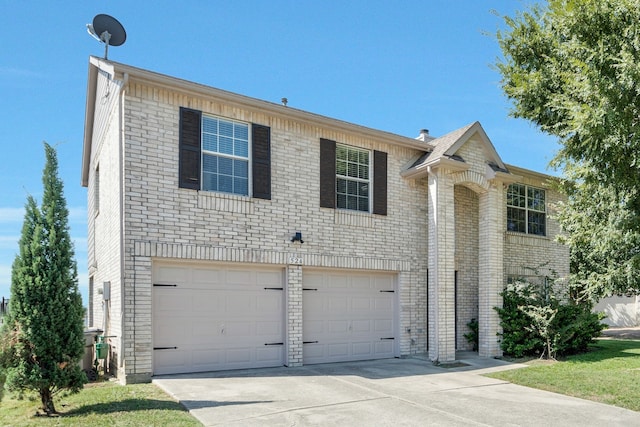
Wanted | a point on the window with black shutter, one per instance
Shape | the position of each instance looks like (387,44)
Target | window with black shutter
(352,178)
(218,154)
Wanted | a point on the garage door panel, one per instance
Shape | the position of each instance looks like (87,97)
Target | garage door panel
(361,303)
(362,349)
(338,351)
(269,354)
(348,316)
(383,326)
(265,329)
(217,324)
(361,326)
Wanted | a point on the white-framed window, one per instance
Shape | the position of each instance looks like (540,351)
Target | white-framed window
(225,156)
(353,182)
(526,210)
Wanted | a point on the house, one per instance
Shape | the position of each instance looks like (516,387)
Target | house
(228,232)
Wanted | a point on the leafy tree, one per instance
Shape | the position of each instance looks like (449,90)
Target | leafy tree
(42,339)
(572,68)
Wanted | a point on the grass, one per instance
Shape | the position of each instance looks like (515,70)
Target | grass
(608,373)
(101,404)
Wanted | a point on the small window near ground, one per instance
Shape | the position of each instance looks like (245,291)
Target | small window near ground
(526,210)
(353,178)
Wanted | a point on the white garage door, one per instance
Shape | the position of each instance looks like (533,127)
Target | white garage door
(348,316)
(208,318)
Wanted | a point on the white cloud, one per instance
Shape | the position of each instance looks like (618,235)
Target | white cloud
(77,214)
(11,215)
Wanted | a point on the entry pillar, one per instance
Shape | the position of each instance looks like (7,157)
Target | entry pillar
(441,290)
(491,270)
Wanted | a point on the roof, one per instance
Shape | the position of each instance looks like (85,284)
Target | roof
(128,73)
(444,151)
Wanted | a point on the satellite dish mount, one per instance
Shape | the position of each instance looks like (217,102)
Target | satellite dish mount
(106,29)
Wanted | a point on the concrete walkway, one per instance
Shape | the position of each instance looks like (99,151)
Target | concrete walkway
(392,392)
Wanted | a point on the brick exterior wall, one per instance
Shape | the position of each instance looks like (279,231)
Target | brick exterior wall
(436,225)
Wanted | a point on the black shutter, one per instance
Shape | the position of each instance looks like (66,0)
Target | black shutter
(261,158)
(379,183)
(189,147)
(327,173)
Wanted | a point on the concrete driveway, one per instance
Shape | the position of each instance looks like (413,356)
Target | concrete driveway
(392,392)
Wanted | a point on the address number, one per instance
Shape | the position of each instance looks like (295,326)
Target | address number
(295,260)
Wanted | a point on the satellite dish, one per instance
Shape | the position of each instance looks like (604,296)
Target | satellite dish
(106,29)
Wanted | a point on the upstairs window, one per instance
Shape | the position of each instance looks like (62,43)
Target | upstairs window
(352,178)
(225,156)
(526,210)
(222,155)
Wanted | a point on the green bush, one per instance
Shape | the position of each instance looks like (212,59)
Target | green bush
(572,326)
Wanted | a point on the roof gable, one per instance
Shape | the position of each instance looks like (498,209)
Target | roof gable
(445,150)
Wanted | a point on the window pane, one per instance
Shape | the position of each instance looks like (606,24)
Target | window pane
(209,181)
(225,166)
(363,172)
(363,189)
(341,167)
(536,199)
(241,186)
(226,145)
(352,187)
(241,131)
(241,148)
(352,203)
(225,183)
(537,223)
(352,170)
(341,186)
(209,163)
(241,168)
(341,201)
(209,142)
(341,153)
(353,156)
(226,129)
(210,125)
(363,204)
(516,220)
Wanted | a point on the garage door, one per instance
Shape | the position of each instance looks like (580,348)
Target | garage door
(348,316)
(208,318)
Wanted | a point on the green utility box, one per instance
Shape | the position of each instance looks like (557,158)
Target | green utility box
(102,348)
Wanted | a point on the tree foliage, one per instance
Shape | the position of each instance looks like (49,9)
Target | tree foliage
(42,339)
(572,67)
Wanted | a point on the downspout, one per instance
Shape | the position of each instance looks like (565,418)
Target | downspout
(125,83)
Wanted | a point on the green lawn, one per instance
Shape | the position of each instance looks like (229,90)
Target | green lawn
(102,404)
(609,373)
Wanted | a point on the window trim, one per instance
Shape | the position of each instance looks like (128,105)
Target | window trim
(249,157)
(526,210)
(368,181)
(379,193)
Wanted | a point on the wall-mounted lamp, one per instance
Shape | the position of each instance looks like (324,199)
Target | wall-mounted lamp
(297,237)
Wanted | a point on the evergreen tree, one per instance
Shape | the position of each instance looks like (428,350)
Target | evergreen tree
(571,67)
(42,341)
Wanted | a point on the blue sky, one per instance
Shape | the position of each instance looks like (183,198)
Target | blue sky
(393,66)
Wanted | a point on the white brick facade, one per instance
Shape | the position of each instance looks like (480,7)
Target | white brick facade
(437,223)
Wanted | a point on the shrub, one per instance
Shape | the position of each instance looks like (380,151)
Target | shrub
(536,322)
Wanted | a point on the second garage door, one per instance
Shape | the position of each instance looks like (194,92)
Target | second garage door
(208,317)
(348,316)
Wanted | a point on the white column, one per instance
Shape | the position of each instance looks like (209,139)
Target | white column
(294,316)
(441,290)
(491,270)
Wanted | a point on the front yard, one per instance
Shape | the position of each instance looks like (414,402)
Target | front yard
(609,373)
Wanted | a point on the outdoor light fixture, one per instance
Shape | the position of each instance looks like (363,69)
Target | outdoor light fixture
(297,237)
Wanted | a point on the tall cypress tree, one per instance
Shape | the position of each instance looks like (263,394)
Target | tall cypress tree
(43,336)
